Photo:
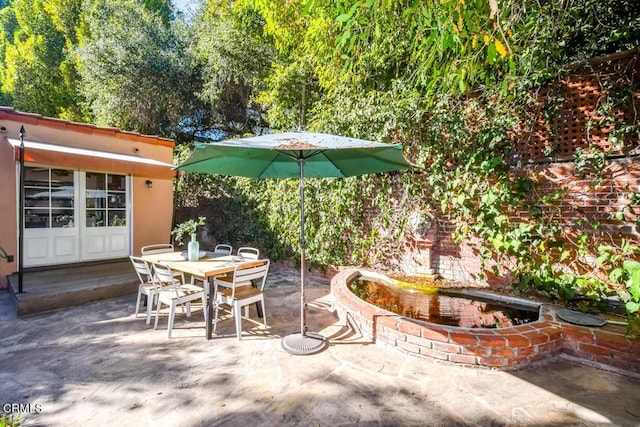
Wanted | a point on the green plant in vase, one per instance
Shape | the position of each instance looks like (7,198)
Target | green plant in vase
(189,227)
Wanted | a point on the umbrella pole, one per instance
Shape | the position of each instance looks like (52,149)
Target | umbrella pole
(305,342)
(303,257)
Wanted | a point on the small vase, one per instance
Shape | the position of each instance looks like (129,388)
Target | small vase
(193,249)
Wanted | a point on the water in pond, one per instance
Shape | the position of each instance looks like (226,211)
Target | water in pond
(436,306)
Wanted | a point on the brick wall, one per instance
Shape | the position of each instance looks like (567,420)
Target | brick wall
(581,203)
(569,115)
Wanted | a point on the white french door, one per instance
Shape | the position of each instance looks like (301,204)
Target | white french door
(104,215)
(72,216)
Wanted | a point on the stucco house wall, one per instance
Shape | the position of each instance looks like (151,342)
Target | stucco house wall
(148,158)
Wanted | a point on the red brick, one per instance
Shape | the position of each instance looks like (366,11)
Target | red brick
(613,341)
(411,348)
(517,341)
(518,361)
(419,341)
(594,350)
(626,356)
(386,339)
(409,327)
(502,352)
(390,322)
(399,336)
(447,348)
(492,361)
(549,347)
(464,338)
(476,351)
(435,334)
(434,354)
(574,333)
(538,337)
(492,341)
(463,358)
(526,351)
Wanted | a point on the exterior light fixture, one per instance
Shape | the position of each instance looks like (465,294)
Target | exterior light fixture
(149,183)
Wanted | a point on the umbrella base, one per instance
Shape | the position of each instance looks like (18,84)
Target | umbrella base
(308,343)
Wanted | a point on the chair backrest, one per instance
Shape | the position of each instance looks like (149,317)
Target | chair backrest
(247,252)
(159,248)
(223,249)
(142,269)
(163,274)
(251,270)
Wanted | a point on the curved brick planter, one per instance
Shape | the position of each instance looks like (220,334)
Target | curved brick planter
(496,348)
(507,348)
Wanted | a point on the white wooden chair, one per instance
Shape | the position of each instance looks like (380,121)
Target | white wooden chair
(147,286)
(223,249)
(159,248)
(177,293)
(248,252)
(239,295)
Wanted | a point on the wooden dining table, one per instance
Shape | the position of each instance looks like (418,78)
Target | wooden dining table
(208,266)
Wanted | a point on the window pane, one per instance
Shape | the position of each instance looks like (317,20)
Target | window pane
(62,218)
(117,218)
(61,178)
(96,218)
(96,199)
(36,197)
(36,218)
(117,182)
(95,181)
(117,200)
(36,177)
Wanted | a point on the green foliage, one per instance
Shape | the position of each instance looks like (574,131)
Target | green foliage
(626,272)
(235,57)
(9,421)
(134,70)
(38,74)
(188,227)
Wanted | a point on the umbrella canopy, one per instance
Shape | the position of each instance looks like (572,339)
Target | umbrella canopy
(296,155)
(277,155)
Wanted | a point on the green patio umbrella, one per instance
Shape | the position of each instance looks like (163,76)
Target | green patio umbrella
(296,155)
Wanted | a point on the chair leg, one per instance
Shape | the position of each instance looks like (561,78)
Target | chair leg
(150,300)
(238,318)
(138,302)
(155,326)
(172,315)
(264,313)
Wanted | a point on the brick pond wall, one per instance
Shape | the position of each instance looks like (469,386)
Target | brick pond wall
(504,348)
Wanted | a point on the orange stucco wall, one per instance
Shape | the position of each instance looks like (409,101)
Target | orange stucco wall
(152,208)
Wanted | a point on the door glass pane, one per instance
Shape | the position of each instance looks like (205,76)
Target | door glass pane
(117,200)
(117,182)
(117,218)
(95,218)
(62,218)
(95,181)
(36,198)
(36,218)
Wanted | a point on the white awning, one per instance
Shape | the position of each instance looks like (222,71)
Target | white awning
(60,155)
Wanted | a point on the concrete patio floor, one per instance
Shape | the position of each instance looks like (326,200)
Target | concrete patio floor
(97,365)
